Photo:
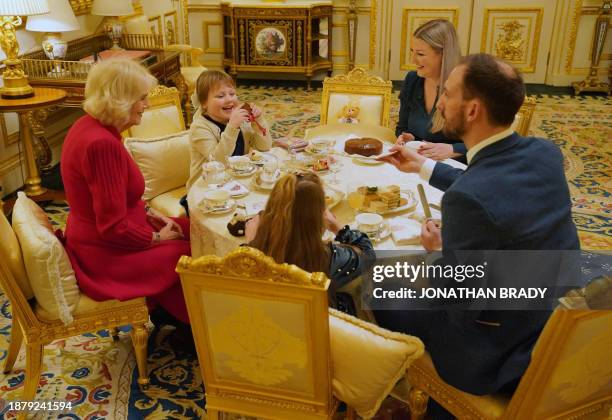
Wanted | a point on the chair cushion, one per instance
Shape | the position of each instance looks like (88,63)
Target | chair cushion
(164,161)
(47,264)
(159,121)
(168,202)
(191,74)
(10,254)
(489,406)
(86,305)
(367,361)
(370,107)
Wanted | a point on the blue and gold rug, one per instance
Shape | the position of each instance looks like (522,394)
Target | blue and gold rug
(98,375)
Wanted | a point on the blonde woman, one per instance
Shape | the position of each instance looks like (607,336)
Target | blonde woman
(435,52)
(119,248)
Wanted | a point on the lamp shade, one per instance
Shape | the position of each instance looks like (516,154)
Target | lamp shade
(60,19)
(23,7)
(112,7)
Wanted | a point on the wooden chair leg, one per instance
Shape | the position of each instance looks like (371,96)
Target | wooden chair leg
(14,346)
(34,353)
(140,335)
(114,332)
(212,414)
(417,402)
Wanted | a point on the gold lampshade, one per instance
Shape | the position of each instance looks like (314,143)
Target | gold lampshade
(15,80)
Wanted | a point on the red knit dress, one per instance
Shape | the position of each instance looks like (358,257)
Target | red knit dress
(108,238)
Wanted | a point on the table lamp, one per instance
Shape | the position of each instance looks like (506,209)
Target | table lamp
(114,9)
(60,19)
(15,80)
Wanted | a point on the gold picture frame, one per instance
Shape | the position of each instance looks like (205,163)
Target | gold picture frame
(171,32)
(270,42)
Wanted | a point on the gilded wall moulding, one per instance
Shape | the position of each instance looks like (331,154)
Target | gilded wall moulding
(514,35)
(413,18)
(81,7)
(510,41)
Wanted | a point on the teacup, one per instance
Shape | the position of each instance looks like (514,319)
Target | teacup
(370,224)
(213,172)
(320,145)
(269,172)
(216,199)
(240,163)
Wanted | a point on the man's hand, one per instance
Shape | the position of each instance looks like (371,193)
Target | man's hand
(404,138)
(437,151)
(431,236)
(406,160)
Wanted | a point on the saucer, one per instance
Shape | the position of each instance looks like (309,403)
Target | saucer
(244,173)
(367,161)
(308,149)
(332,197)
(229,206)
(384,233)
(266,186)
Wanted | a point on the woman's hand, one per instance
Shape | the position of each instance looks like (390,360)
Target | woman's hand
(237,117)
(404,138)
(250,230)
(437,151)
(159,221)
(169,232)
(331,223)
(255,111)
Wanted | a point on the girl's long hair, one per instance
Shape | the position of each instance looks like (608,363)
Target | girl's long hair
(440,35)
(291,226)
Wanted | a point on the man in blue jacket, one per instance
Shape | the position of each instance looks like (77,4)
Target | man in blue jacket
(512,196)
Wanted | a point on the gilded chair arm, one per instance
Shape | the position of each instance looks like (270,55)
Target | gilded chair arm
(194,52)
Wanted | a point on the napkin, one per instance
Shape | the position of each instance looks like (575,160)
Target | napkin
(235,188)
(405,231)
(252,209)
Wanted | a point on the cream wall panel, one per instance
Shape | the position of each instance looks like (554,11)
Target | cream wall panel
(407,15)
(572,43)
(519,32)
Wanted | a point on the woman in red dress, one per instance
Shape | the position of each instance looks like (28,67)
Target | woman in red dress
(119,248)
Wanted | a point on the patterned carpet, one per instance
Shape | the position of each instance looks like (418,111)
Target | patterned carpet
(98,376)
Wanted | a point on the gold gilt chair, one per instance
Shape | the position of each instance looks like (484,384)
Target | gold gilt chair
(569,376)
(269,346)
(37,326)
(523,117)
(160,148)
(371,95)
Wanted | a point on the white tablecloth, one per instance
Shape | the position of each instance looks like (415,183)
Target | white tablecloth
(209,234)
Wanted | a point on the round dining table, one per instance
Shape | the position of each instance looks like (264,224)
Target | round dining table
(210,234)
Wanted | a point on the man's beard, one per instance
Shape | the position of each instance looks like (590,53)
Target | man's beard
(454,131)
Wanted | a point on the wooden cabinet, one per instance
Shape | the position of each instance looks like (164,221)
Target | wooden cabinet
(279,38)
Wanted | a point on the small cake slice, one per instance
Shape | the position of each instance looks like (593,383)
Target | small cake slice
(364,146)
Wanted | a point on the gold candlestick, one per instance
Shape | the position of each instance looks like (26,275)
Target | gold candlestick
(592,82)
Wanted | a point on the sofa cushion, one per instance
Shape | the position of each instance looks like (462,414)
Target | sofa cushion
(51,276)
(159,121)
(168,203)
(164,161)
(10,254)
(367,361)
